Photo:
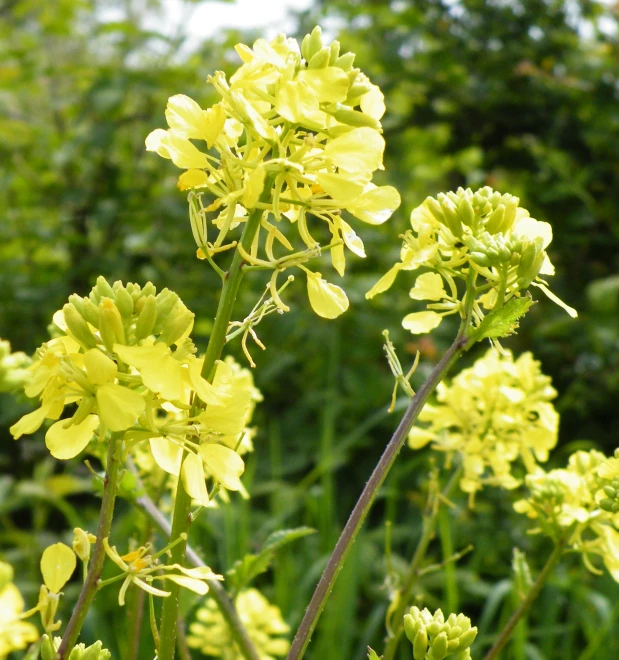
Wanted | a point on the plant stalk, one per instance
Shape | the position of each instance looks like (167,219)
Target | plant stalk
(89,588)
(526,604)
(181,520)
(365,501)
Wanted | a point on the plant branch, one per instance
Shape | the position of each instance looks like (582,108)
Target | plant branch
(526,604)
(89,588)
(365,501)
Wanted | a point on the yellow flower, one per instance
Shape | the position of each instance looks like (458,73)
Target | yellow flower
(15,634)
(263,622)
(491,414)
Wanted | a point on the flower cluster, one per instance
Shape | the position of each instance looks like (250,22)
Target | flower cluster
(114,358)
(579,504)
(491,414)
(296,133)
(433,638)
(263,622)
(15,634)
(80,651)
(463,236)
(13,368)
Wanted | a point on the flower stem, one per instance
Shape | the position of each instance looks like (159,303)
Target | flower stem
(428,527)
(89,588)
(365,501)
(182,506)
(526,604)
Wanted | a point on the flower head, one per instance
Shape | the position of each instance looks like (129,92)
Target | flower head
(491,414)
(15,634)
(434,637)
(263,622)
(463,236)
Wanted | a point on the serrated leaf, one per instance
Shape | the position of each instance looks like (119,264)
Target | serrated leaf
(247,569)
(503,321)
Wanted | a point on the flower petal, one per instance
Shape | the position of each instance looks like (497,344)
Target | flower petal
(57,565)
(555,299)
(327,300)
(224,464)
(428,286)
(160,372)
(192,474)
(119,407)
(99,367)
(421,322)
(359,151)
(385,281)
(65,443)
(167,454)
(376,205)
(192,584)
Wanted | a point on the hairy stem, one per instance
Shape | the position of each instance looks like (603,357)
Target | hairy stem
(89,588)
(526,604)
(365,501)
(182,507)
(404,593)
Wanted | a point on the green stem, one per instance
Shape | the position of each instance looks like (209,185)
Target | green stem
(367,497)
(405,591)
(89,588)
(182,507)
(526,604)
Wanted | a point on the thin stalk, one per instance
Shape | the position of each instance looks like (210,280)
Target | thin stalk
(365,501)
(405,591)
(526,604)
(89,588)
(181,520)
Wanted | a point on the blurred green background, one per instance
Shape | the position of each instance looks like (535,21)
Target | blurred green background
(521,95)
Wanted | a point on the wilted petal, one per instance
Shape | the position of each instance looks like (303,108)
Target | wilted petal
(65,443)
(327,300)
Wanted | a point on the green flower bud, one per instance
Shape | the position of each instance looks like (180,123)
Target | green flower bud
(47,650)
(454,631)
(480,259)
(420,645)
(436,209)
(411,626)
(356,118)
(433,628)
(320,60)
(77,327)
(147,318)
(615,506)
(6,575)
(510,214)
(439,646)
(610,492)
(90,312)
(124,302)
(93,652)
(495,220)
(166,300)
(85,407)
(177,327)
(77,302)
(345,61)
(450,211)
(313,44)
(149,289)
(453,644)
(465,211)
(467,638)
(335,52)
(81,544)
(110,324)
(103,288)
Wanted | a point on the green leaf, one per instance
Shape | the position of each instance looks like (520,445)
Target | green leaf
(248,568)
(503,321)
(372,655)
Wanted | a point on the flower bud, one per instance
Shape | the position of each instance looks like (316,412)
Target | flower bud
(411,626)
(610,491)
(320,60)
(433,628)
(6,575)
(607,504)
(466,213)
(166,300)
(124,302)
(495,220)
(110,324)
(90,312)
(77,327)
(452,220)
(93,652)
(103,288)
(149,289)
(439,646)
(314,43)
(467,638)
(356,118)
(48,652)
(177,326)
(345,61)
(81,544)
(147,318)
(420,645)
(335,52)
(480,259)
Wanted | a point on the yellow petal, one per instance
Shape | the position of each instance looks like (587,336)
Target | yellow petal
(296,103)
(188,119)
(373,103)
(252,116)
(171,145)
(376,205)
(167,455)
(533,229)
(329,85)
(385,281)
(64,443)
(418,438)
(420,322)
(358,151)
(338,260)
(192,584)
(99,367)
(208,393)
(155,141)
(160,372)
(224,464)
(327,300)
(29,423)
(192,474)
(428,286)
(352,241)
(253,187)
(555,299)
(192,179)
(341,187)
(57,565)
(119,407)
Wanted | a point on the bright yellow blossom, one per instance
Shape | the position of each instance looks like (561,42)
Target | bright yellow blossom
(263,622)
(15,634)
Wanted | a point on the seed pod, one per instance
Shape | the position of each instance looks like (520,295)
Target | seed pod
(103,288)
(77,327)
(124,302)
(319,60)
(420,645)
(147,318)
(176,327)
(495,220)
(356,118)
(110,324)
(345,61)
(439,646)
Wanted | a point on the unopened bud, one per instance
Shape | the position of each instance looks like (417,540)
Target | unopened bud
(124,302)
(48,652)
(452,220)
(345,61)
(177,327)
(495,220)
(335,52)
(319,60)
(465,211)
(356,118)
(439,646)
(147,318)
(90,312)
(411,626)
(110,324)
(166,300)
(420,645)
(103,288)
(77,326)
(81,544)
(467,638)
(312,43)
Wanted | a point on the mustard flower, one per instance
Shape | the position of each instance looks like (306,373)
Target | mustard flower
(462,236)
(492,414)
(434,637)
(263,622)
(15,634)
(568,503)
(296,134)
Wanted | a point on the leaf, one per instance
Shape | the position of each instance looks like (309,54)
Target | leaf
(248,568)
(372,655)
(503,321)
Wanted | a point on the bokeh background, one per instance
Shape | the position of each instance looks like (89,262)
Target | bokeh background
(521,95)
